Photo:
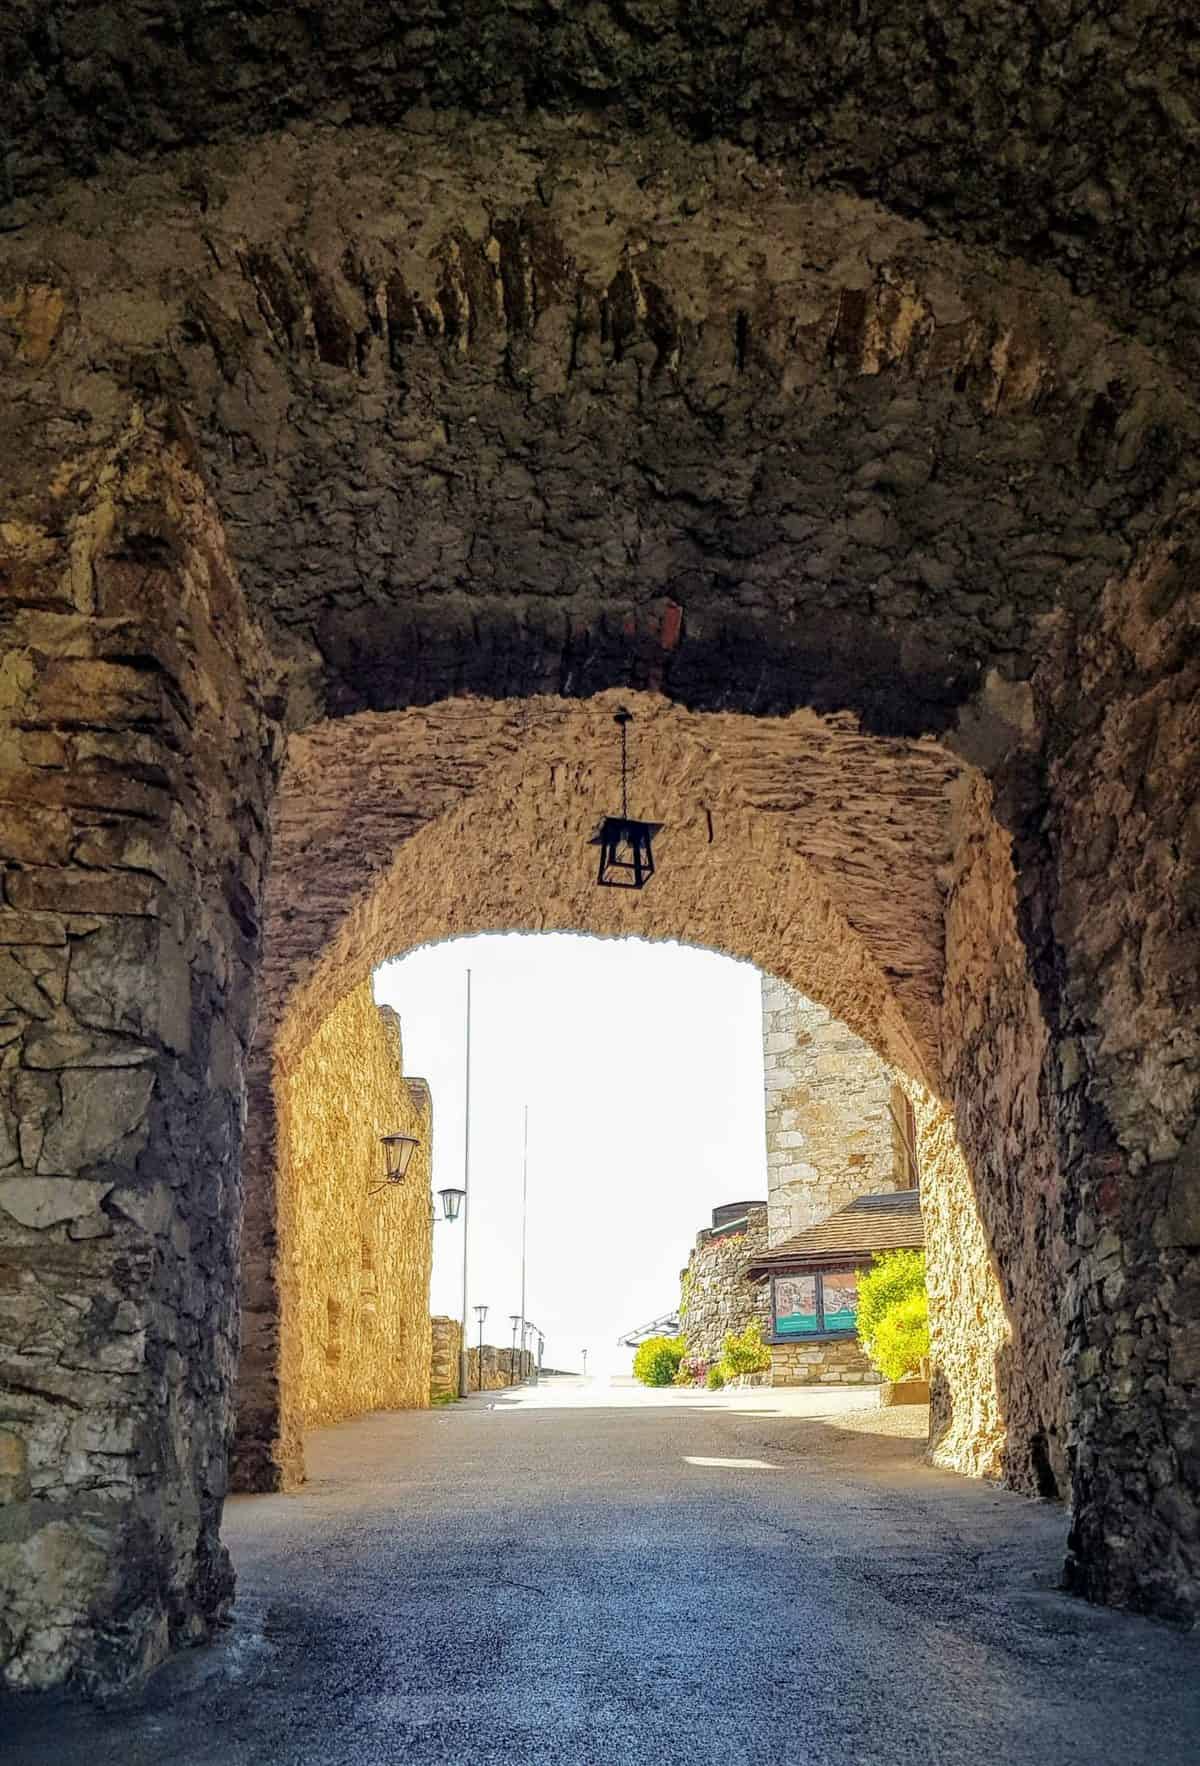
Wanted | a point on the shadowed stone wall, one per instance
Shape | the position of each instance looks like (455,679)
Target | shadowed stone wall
(1005,1361)
(136,762)
(355,1267)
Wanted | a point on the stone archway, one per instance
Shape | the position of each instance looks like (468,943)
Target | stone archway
(382,413)
(395,831)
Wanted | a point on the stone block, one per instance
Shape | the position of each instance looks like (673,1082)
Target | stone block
(23,928)
(100,1109)
(36,1100)
(78,890)
(42,1202)
(132,975)
(82,690)
(14,1468)
(53,1049)
(32,835)
(19,989)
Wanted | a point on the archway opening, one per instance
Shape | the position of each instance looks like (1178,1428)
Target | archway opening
(823,857)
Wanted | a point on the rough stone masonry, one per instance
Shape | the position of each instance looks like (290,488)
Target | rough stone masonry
(375,397)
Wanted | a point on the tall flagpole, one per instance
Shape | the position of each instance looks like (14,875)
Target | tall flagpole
(464,1346)
(524,1229)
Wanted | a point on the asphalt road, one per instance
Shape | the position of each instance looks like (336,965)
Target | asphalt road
(582,1578)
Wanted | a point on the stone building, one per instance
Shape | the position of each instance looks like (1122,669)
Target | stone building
(717,1296)
(808,1287)
(839,1123)
(372,428)
(841,1135)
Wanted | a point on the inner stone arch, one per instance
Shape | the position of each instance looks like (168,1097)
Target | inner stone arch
(796,843)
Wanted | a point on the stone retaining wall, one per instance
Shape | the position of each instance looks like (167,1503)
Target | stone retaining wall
(500,1368)
(840,1363)
(444,1360)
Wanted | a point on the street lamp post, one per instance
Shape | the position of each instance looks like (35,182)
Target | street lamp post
(524,1231)
(514,1319)
(464,1349)
(481,1314)
(585,1364)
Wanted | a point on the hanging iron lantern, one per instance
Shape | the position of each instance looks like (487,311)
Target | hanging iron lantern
(626,845)
(398,1150)
(452,1201)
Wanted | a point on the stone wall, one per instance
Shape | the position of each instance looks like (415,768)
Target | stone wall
(134,762)
(831,1132)
(999,1331)
(717,1297)
(501,1367)
(354,1266)
(838,1363)
(445,1369)
(1117,960)
(969,1330)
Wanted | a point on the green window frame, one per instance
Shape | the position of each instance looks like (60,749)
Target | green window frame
(831,1316)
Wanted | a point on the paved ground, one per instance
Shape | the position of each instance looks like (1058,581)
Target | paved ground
(589,1577)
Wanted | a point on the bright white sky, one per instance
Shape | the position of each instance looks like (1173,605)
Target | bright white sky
(642,1067)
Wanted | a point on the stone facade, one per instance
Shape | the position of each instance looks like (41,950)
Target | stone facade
(717,1297)
(354,1266)
(392,442)
(835,1122)
(834,1113)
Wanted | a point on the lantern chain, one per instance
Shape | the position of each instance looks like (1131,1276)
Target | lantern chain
(624,719)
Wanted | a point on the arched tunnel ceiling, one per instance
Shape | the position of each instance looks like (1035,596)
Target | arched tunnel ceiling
(470,816)
(1063,132)
(509,415)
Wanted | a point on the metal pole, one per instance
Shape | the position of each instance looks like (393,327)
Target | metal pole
(464,1351)
(524,1232)
(479,1381)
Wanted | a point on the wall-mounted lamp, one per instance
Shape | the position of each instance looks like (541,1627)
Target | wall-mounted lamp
(398,1150)
(481,1314)
(452,1201)
(626,845)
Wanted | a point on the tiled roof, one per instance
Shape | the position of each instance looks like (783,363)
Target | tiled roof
(890,1222)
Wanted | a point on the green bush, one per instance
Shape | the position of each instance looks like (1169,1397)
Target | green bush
(715,1379)
(901,1340)
(745,1353)
(657,1361)
(896,1276)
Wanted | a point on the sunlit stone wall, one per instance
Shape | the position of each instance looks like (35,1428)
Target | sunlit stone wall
(831,1131)
(353,1267)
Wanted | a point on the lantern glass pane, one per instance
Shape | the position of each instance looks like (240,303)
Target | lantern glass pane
(398,1150)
